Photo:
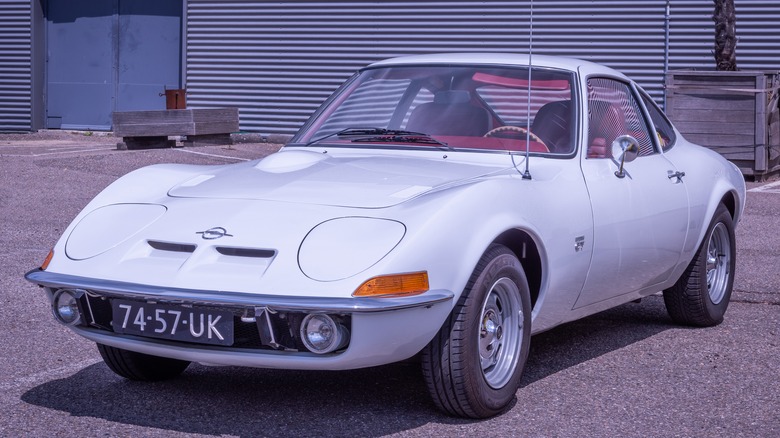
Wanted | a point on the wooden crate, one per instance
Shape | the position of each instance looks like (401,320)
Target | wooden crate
(175,122)
(150,129)
(733,113)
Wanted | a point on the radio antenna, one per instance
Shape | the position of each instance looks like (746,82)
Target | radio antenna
(527,173)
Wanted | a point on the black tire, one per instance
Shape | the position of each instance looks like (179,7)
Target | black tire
(701,295)
(457,362)
(139,366)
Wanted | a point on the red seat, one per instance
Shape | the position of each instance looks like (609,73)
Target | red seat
(552,123)
(606,123)
(450,113)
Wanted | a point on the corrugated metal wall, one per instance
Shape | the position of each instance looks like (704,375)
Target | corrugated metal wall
(758,30)
(15,65)
(278,60)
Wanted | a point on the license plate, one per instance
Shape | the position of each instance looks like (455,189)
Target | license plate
(165,321)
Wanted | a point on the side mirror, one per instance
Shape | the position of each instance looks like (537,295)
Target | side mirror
(625,149)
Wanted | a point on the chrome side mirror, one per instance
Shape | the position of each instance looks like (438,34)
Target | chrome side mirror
(625,149)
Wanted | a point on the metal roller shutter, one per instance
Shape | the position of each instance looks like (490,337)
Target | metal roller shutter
(15,66)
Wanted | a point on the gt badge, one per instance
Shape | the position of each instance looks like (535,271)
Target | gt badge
(579,243)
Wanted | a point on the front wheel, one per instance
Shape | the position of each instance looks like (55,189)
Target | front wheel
(473,366)
(138,366)
(701,295)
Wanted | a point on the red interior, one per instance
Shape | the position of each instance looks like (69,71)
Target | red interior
(464,142)
(491,143)
(550,84)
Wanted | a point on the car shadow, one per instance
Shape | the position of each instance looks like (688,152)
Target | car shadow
(591,337)
(368,402)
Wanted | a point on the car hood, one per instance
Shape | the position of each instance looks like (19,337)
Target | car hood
(310,177)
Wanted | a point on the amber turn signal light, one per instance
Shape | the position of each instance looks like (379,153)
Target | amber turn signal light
(47,260)
(395,285)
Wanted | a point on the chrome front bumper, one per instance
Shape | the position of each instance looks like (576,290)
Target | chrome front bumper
(383,330)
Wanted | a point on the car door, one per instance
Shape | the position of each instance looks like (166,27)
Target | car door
(640,219)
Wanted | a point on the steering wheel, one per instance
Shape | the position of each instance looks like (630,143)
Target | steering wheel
(512,128)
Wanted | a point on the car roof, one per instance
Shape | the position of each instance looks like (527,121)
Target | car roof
(504,59)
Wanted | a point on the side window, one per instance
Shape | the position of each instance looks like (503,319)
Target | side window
(613,111)
(663,129)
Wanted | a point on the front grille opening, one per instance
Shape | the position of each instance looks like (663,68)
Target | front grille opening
(172,247)
(246,252)
(100,311)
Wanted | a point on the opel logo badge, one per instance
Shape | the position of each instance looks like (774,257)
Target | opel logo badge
(214,233)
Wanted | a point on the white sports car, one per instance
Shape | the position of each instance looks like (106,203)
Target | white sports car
(448,205)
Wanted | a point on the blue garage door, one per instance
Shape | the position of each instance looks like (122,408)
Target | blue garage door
(109,55)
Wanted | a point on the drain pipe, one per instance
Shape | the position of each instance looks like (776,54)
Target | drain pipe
(667,21)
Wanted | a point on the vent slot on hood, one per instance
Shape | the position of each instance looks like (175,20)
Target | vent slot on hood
(172,247)
(246,252)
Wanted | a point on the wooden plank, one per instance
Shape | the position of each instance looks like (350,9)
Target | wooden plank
(686,77)
(670,107)
(712,116)
(718,75)
(746,167)
(215,114)
(153,129)
(774,129)
(747,154)
(712,140)
(696,127)
(714,102)
(208,140)
(214,127)
(744,90)
(773,159)
(761,125)
(215,121)
(136,117)
(146,143)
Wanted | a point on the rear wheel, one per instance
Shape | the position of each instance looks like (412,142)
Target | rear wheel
(473,366)
(701,295)
(138,366)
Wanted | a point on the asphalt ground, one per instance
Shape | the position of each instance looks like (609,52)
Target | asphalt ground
(625,372)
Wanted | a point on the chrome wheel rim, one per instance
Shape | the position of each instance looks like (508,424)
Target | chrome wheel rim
(718,262)
(500,332)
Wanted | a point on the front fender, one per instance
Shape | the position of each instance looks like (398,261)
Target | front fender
(449,231)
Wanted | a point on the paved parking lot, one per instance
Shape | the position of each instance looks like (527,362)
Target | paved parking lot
(625,372)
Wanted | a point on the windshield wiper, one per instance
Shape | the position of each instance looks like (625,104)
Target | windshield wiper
(383,135)
(402,137)
(349,131)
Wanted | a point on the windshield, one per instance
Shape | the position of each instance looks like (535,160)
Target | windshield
(469,108)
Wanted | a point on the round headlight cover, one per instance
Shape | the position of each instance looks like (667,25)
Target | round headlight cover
(108,227)
(343,247)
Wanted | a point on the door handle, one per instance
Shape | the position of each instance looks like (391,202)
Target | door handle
(676,174)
